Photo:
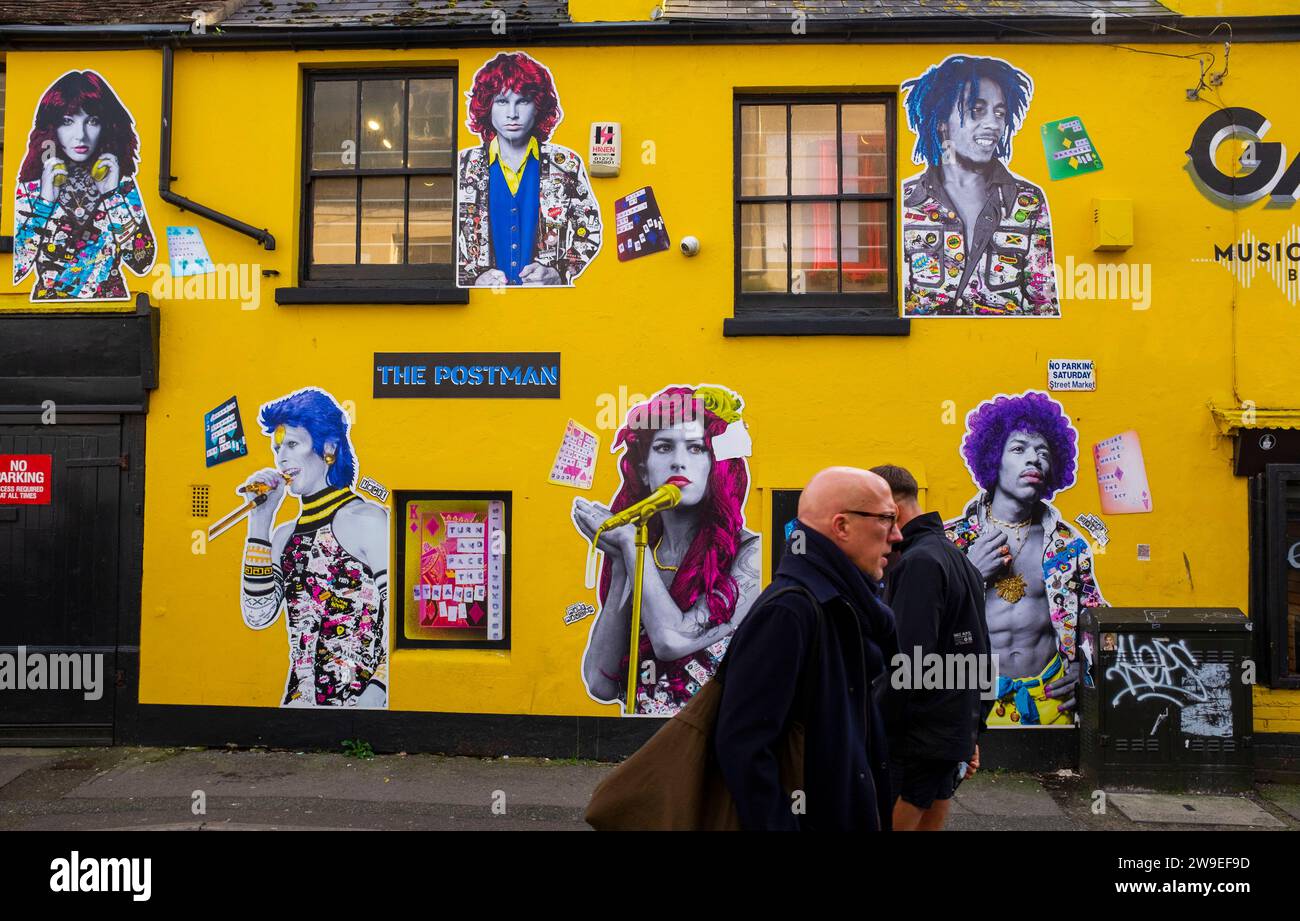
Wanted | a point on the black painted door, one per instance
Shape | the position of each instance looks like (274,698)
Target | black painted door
(59,587)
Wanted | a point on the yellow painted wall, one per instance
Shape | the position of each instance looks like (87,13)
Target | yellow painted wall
(658,321)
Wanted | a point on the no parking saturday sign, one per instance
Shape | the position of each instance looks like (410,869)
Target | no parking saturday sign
(25,479)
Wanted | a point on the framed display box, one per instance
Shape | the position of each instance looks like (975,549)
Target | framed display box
(453,569)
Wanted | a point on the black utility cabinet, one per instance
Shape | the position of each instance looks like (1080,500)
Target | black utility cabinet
(1167,708)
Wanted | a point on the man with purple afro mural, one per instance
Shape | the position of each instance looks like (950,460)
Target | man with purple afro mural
(1037,569)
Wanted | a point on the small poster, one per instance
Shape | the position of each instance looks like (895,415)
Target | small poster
(1122,475)
(575,462)
(1070,374)
(225,434)
(639,225)
(25,479)
(1068,149)
(187,253)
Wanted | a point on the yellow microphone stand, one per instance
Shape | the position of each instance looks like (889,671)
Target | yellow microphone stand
(638,580)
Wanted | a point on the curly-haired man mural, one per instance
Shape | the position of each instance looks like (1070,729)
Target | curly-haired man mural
(977,238)
(526,214)
(1021,451)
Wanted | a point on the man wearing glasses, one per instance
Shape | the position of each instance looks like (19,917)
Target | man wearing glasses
(937,597)
(836,555)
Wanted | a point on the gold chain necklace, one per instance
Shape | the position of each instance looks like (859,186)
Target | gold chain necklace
(654,555)
(1012,586)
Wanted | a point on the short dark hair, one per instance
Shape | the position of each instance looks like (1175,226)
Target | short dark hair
(901,483)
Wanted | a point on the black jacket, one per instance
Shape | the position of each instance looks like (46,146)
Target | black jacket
(937,597)
(846,763)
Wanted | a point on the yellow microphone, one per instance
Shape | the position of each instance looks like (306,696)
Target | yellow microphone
(662,499)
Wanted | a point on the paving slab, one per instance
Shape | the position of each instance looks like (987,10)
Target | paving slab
(1171,809)
(413,779)
(15,764)
(993,794)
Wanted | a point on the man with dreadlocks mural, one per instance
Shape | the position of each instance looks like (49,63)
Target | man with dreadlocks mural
(702,572)
(1021,451)
(977,239)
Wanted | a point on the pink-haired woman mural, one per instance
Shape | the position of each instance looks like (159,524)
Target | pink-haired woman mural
(78,214)
(702,571)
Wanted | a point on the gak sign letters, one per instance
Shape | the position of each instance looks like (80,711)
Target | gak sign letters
(1270,174)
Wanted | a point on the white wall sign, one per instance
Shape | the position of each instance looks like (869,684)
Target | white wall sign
(1071,374)
(605,157)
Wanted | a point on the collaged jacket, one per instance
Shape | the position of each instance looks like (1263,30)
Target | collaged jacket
(1067,568)
(568,228)
(1003,269)
(77,242)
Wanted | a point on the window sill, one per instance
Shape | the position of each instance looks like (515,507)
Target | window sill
(815,326)
(373,294)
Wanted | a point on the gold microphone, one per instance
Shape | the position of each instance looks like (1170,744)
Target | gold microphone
(258,491)
(665,497)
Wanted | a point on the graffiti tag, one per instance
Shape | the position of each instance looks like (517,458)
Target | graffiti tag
(1159,669)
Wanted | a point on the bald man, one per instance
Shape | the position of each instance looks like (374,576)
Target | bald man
(814,650)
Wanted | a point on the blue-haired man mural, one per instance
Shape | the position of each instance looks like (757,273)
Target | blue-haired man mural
(977,238)
(1021,451)
(328,570)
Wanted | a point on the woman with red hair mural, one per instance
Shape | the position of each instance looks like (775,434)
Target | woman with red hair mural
(702,572)
(526,214)
(77,212)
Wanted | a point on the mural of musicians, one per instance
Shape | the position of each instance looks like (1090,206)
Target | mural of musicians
(78,215)
(977,238)
(701,574)
(1038,570)
(526,213)
(328,570)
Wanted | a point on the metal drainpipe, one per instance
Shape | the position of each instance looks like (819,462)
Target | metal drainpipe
(165,176)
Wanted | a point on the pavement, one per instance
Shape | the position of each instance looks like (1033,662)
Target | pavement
(214,790)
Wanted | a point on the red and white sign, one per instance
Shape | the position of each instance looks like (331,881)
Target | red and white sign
(25,479)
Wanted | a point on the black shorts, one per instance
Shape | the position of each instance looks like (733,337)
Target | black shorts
(921,781)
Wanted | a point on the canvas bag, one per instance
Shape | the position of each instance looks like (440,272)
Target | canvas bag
(674,782)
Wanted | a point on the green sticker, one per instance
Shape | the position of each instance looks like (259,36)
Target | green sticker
(1068,149)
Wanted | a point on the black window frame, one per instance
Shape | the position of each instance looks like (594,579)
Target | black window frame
(404,276)
(817,312)
(1269,569)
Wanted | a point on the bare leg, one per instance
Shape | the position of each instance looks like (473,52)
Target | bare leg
(910,818)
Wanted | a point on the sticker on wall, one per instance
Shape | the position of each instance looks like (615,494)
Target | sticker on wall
(1070,374)
(78,215)
(575,461)
(1122,475)
(25,479)
(525,211)
(639,225)
(1096,529)
(327,569)
(186,252)
(576,612)
(224,432)
(1022,451)
(368,485)
(947,272)
(706,561)
(1068,149)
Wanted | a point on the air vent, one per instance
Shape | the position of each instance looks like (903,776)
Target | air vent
(199,501)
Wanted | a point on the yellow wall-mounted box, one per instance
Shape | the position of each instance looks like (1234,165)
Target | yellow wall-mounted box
(1112,223)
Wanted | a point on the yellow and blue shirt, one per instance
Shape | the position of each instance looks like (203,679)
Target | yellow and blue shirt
(514,202)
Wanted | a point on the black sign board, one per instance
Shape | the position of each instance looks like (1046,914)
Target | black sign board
(468,375)
(1254,449)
